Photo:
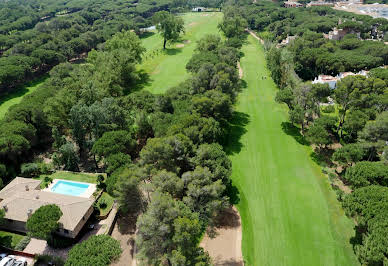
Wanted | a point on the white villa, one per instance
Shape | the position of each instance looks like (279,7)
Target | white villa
(332,81)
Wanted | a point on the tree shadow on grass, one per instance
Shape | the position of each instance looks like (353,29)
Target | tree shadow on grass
(235,130)
(232,192)
(293,131)
(322,157)
(18,92)
(146,34)
(142,81)
(6,241)
(173,51)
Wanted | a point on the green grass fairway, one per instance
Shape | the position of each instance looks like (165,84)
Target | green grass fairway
(168,68)
(290,216)
(10,99)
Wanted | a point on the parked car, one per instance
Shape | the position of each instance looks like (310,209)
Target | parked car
(20,262)
(3,255)
(8,261)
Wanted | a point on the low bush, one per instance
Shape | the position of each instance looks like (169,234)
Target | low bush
(328,109)
(98,250)
(23,243)
(43,260)
(30,169)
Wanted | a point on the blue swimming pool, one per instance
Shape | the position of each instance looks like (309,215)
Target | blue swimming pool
(69,188)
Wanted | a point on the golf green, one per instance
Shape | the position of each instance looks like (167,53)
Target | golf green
(16,97)
(290,215)
(167,68)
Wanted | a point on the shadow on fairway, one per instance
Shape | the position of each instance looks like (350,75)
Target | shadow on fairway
(142,80)
(235,130)
(146,34)
(232,192)
(173,51)
(293,131)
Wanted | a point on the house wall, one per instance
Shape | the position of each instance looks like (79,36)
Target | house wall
(19,226)
(12,225)
(80,225)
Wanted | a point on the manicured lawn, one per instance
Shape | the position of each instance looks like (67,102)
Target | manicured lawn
(168,68)
(13,98)
(9,240)
(109,200)
(73,176)
(290,215)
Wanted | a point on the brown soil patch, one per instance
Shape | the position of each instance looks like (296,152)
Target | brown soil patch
(187,41)
(181,45)
(192,24)
(124,232)
(225,248)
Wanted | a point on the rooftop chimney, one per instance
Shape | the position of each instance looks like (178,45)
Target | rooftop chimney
(29,212)
(5,208)
(37,197)
(27,188)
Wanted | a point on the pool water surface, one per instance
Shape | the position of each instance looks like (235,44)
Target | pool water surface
(69,188)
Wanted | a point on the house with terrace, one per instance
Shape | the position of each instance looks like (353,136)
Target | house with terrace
(22,196)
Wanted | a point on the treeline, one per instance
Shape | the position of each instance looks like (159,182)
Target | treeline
(312,53)
(350,136)
(39,34)
(162,153)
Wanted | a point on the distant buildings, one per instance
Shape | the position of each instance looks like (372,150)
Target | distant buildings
(292,4)
(319,3)
(338,34)
(199,9)
(332,81)
(287,40)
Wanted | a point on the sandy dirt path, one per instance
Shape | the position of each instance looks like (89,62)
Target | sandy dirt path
(255,36)
(225,248)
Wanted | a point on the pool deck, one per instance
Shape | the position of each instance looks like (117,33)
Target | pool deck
(88,193)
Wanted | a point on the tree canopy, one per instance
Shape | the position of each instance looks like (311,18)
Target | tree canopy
(44,221)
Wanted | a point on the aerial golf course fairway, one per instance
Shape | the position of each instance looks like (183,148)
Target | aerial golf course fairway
(167,68)
(290,215)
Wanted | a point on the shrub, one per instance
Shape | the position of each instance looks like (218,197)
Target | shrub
(98,250)
(328,109)
(102,204)
(45,168)
(23,243)
(29,169)
(44,221)
(43,260)
(48,179)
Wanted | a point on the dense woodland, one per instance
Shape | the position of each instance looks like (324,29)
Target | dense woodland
(313,54)
(37,35)
(162,153)
(350,137)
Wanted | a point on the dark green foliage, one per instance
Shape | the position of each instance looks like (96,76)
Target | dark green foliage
(369,205)
(43,260)
(44,221)
(67,157)
(169,232)
(116,161)
(348,154)
(98,250)
(169,26)
(170,153)
(29,169)
(367,173)
(114,142)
